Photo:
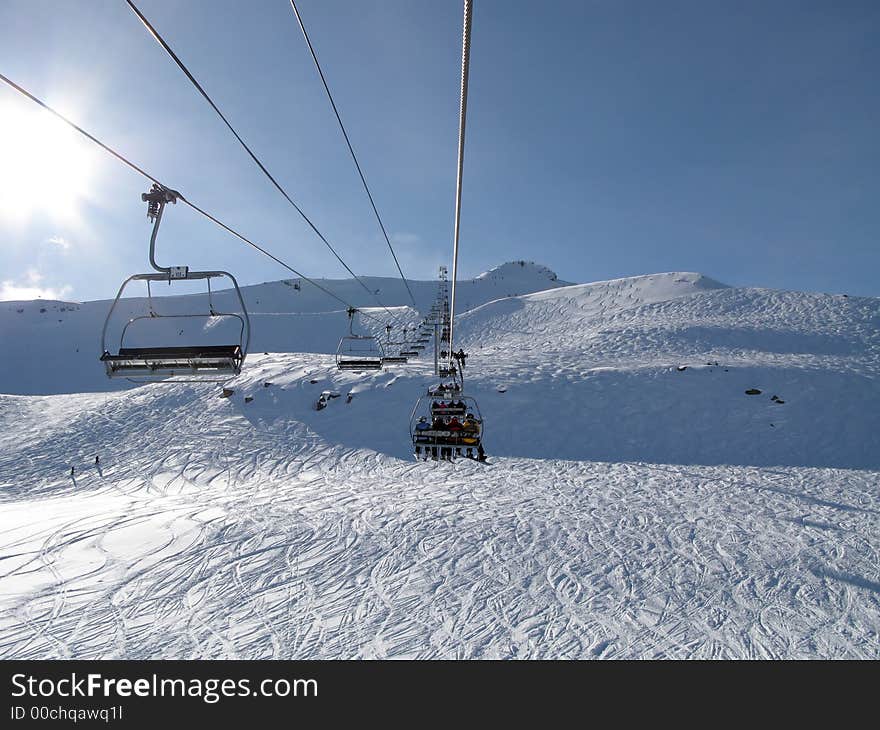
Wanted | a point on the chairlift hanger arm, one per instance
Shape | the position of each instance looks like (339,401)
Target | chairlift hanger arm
(156,200)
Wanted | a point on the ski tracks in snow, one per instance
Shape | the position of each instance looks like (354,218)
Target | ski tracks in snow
(215,535)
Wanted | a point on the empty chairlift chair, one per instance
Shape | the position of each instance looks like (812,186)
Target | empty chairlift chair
(406,348)
(190,360)
(358,352)
(389,346)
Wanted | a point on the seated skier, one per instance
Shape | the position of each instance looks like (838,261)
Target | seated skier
(470,425)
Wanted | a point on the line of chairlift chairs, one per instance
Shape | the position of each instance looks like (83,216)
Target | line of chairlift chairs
(366,352)
(444,424)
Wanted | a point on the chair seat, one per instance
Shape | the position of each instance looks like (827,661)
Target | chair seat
(171,360)
(360,365)
(127,353)
(445,438)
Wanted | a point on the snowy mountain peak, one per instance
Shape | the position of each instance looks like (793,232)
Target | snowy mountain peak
(659,287)
(520,271)
(666,284)
(692,279)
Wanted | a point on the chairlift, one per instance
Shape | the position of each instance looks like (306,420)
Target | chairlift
(446,424)
(358,352)
(192,361)
(392,359)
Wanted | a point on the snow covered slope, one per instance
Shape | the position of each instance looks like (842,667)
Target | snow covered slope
(52,347)
(639,503)
(656,368)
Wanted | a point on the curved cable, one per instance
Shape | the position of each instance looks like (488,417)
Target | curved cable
(9,82)
(351,149)
(161,41)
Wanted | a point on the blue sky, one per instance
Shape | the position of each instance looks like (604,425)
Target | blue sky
(605,139)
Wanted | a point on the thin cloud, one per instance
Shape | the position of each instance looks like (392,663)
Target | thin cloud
(406,239)
(60,242)
(29,288)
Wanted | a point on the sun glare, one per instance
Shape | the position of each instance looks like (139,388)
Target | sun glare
(45,166)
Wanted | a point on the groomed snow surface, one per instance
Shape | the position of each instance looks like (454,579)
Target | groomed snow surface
(638,503)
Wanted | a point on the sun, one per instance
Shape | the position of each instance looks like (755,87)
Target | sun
(45,169)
